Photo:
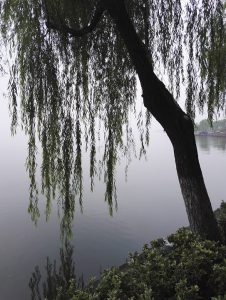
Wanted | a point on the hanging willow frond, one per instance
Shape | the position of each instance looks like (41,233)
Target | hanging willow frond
(66,84)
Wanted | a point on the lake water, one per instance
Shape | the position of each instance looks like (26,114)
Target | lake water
(149,206)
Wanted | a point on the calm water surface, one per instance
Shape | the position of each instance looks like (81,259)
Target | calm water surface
(149,206)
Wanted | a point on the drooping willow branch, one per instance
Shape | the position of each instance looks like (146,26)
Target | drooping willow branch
(100,8)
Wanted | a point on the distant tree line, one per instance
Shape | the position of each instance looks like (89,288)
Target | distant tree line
(206,125)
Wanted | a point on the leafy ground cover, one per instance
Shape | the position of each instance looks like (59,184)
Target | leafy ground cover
(181,267)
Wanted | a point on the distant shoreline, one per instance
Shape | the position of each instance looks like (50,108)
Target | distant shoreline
(214,134)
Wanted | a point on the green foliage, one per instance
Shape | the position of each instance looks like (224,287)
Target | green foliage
(188,268)
(220,215)
(69,90)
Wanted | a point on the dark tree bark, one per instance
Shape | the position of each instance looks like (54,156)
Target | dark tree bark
(178,126)
(160,102)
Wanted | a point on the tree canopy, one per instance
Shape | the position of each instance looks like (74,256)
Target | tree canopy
(71,89)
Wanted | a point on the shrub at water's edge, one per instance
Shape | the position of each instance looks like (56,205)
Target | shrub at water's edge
(181,267)
(190,268)
(184,267)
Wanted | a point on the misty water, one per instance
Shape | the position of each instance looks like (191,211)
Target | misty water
(149,203)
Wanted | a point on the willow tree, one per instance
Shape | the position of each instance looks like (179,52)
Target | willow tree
(76,62)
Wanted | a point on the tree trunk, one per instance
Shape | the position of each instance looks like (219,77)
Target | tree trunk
(178,126)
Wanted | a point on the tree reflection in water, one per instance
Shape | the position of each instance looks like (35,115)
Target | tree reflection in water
(208,142)
(60,283)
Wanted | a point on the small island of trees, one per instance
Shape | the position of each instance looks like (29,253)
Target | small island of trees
(217,128)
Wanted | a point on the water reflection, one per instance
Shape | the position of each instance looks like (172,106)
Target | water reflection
(60,283)
(207,142)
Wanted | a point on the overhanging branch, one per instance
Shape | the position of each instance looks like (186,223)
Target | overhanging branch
(100,8)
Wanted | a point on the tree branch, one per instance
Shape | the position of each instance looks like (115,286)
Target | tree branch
(100,8)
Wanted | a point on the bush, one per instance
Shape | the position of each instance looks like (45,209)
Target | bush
(184,267)
(187,269)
